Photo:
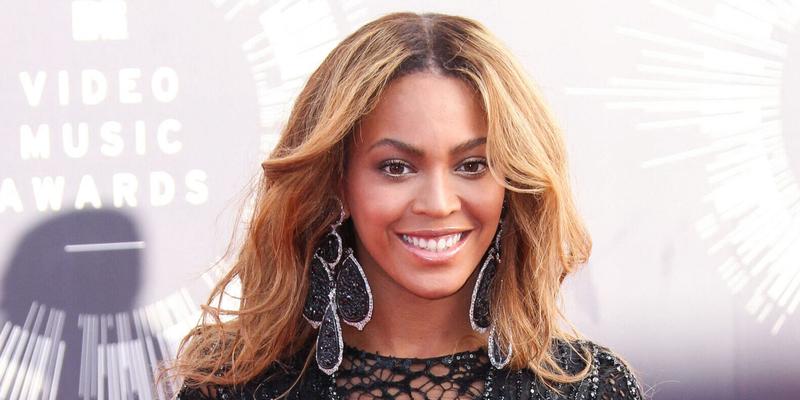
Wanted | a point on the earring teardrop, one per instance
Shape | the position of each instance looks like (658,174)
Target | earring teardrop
(480,307)
(330,345)
(330,248)
(479,310)
(320,284)
(499,353)
(353,294)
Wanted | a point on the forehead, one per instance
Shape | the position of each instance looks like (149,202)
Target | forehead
(426,109)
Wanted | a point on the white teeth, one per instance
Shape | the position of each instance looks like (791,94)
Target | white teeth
(433,244)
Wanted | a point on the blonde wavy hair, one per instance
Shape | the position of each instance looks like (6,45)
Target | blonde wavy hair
(544,238)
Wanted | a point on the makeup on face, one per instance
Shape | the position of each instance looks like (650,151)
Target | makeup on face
(422,200)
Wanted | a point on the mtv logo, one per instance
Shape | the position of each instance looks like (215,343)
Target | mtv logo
(99,20)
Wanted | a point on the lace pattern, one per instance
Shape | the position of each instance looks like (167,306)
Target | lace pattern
(466,375)
(369,376)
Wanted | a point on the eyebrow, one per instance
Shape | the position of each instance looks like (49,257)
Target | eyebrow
(460,148)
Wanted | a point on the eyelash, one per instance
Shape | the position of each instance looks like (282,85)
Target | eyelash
(401,163)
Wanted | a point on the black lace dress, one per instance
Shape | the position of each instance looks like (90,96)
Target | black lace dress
(466,375)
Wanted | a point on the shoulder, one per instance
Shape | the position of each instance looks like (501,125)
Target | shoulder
(608,376)
(264,386)
(271,383)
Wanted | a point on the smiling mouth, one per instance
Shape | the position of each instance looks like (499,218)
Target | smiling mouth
(433,243)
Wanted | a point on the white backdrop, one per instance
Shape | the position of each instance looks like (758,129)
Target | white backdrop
(130,131)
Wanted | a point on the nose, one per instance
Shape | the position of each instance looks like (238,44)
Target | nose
(436,197)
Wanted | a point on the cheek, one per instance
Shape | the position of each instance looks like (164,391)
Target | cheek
(484,199)
(373,203)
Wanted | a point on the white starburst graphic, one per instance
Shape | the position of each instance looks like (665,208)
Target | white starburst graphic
(293,39)
(731,95)
(119,351)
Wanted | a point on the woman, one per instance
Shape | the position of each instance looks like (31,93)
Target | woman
(410,236)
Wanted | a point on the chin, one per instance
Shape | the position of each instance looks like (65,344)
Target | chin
(435,291)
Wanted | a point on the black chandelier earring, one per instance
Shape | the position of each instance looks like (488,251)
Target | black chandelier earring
(480,308)
(337,288)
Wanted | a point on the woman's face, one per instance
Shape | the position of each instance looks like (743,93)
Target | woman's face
(418,188)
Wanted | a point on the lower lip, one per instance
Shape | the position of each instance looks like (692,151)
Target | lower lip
(436,257)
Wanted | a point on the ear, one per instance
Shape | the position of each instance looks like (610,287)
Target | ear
(346,210)
(340,195)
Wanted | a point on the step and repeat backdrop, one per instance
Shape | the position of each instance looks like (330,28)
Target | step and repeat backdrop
(130,133)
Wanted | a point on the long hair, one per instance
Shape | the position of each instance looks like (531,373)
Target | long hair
(544,238)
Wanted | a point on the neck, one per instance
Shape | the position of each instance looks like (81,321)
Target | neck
(406,325)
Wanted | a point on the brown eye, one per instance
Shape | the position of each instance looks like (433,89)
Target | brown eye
(473,167)
(396,168)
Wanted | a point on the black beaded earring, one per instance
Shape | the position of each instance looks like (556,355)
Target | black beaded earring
(480,308)
(337,288)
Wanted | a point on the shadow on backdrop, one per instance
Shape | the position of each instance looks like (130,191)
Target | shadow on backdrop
(42,272)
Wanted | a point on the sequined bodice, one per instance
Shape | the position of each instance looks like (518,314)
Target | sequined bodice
(465,375)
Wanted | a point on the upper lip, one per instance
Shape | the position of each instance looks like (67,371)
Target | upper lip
(433,232)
